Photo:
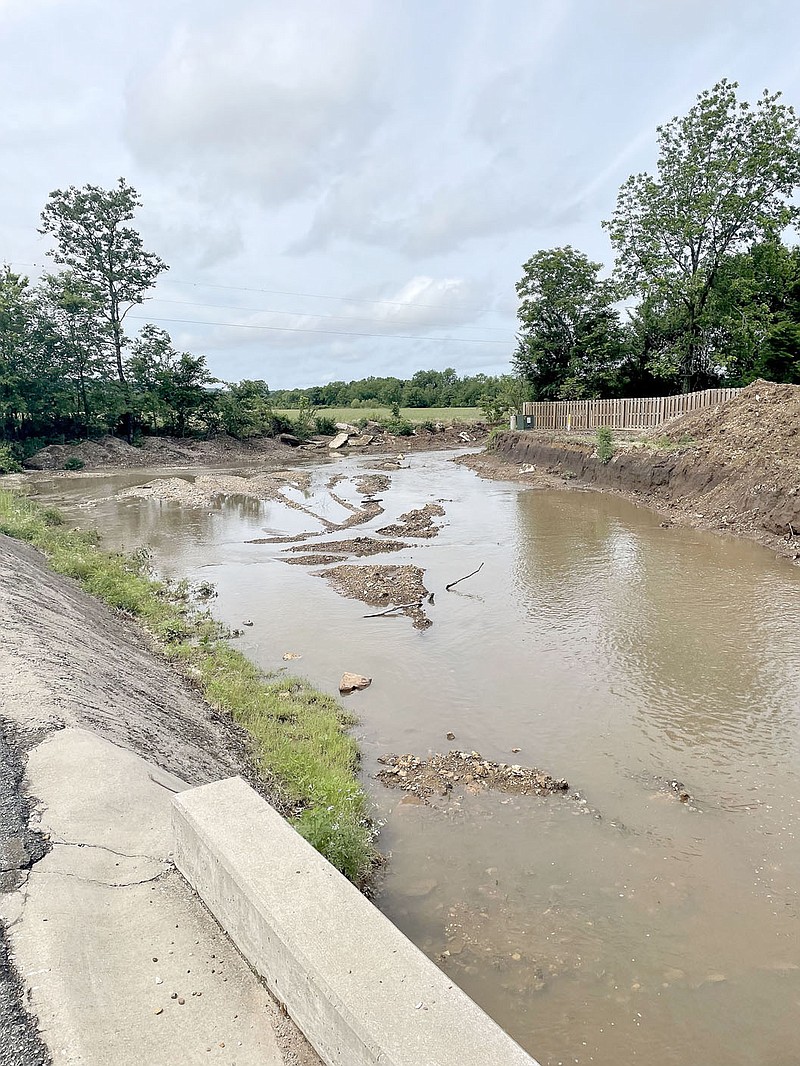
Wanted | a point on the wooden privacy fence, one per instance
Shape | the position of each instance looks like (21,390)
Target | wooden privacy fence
(638,412)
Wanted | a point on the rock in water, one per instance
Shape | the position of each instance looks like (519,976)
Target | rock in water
(351,682)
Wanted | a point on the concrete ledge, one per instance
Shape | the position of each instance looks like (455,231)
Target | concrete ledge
(359,990)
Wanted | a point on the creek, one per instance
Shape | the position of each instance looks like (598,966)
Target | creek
(634,660)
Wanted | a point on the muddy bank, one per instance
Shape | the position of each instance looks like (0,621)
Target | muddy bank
(114,453)
(732,469)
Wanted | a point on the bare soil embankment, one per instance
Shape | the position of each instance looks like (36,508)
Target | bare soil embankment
(113,453)
(734,468)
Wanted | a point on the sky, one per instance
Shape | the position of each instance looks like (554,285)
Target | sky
(351,187)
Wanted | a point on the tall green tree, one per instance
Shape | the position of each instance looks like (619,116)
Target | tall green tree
(570,339)
(726,173)
(171,386)
(77,334)
(106,255)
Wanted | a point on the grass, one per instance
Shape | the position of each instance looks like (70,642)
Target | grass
(411,414)
(299,734)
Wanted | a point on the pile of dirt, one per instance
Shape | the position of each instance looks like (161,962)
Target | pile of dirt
(369,484)
(112,452)
(203,491)
(383,586)
(418,523)
(440,773)
(358,546)
(759,429)
(311,560)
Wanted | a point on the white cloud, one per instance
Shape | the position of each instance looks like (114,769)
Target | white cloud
(268,101)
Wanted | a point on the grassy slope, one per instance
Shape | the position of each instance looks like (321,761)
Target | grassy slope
(411,414)
(299,737)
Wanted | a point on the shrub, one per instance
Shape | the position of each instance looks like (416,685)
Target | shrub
(324,425)
(9,463)
(605,444)
(74,463)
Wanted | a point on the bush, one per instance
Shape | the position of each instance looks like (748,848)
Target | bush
(399,427)
(9,463)
(605,444)
(325,426)
(74,463)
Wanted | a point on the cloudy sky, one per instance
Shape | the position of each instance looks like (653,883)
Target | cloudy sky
(350,187)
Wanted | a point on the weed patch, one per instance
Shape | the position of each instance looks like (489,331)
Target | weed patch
(605,444)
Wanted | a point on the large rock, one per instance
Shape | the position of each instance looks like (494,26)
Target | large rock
(339,441)
(351,682)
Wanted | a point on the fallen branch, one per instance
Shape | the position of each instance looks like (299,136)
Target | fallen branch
(390,610)
(452,583)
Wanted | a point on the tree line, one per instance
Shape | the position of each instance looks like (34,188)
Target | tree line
(704,290)
(69,370)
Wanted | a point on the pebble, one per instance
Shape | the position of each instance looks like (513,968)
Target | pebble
(181,1000)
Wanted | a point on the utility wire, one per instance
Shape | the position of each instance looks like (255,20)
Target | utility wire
(310,314)
(328,332)
(310,295)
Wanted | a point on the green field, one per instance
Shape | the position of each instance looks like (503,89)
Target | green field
(411,414)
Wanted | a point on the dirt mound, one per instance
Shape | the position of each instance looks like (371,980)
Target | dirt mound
(760,429)
(156,451)
(438,774)
(383,586)
(360,546)
(418,523)
(203,491)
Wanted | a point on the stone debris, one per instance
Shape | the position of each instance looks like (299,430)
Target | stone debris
(352,682)
(382,586)
(339,441)
(440,773)
(359,546)
(369,484)
(417,523)
(314,559)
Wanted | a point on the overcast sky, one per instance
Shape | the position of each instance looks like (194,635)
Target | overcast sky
(375,170)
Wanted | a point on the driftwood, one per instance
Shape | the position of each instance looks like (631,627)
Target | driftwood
(391,610)
(464,578)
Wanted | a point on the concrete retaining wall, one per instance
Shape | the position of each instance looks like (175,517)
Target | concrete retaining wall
(359,990)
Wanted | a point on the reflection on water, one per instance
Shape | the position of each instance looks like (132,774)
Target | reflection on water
(621,655)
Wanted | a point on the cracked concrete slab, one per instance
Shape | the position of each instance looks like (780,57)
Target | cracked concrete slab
(120,961)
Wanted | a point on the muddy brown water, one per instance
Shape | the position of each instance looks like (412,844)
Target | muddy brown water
(610,651)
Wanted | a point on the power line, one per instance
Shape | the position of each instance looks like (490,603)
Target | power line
(309,295)
(327,296)
(327,332)
(308,314)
